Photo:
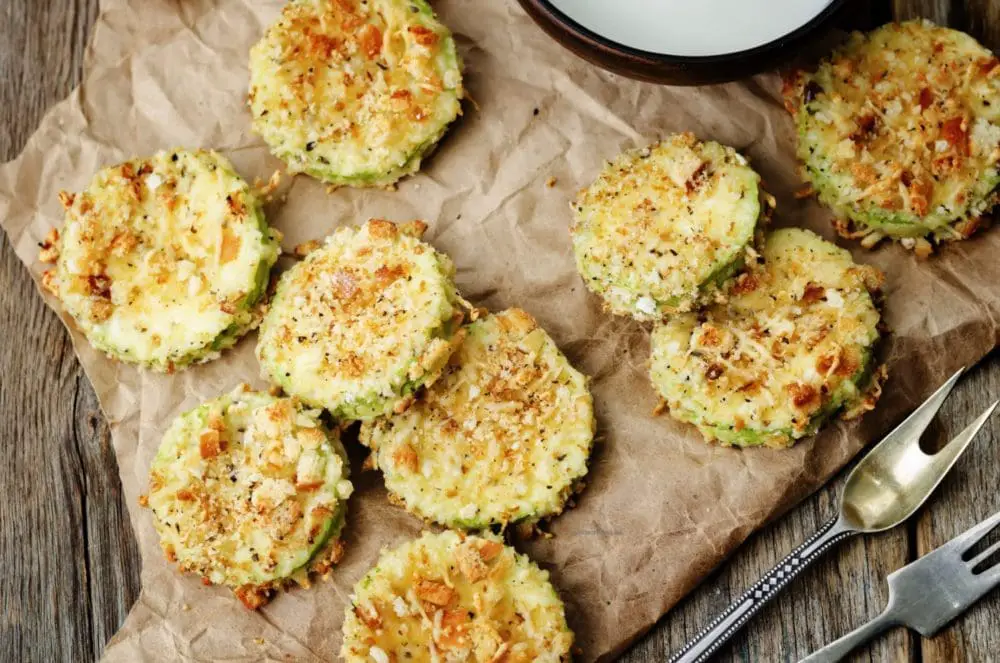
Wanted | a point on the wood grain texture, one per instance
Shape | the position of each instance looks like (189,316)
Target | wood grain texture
(967,496)
(939,11)
(980,18)
(827,601)
(72,565)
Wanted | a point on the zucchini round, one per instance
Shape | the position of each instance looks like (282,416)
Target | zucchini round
(453,597)
(355,93)
(899,131)
(362,323)
(791,347)
(163,261)
(248,490)
(664,228)
(503,436)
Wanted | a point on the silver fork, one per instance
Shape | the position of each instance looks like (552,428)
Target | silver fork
(930,592)
(885,488)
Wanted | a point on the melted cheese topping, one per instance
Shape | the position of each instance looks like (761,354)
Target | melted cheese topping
(247,487)
(900,130)
(504,435)
(450,598)
(789,348)
(161,260)
(355,92)
(662,226)
(360,324)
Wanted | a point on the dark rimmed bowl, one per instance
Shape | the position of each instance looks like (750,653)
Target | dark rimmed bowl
(676,69)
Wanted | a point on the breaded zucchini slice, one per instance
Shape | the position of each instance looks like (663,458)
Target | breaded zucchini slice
(503,436)
(664,227)
(899,131)
(355,93)
(792,346)
(362,323)
(162,261)
(452,597)
(249,491)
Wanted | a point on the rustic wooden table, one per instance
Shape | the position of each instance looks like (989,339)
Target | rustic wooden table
(71,568)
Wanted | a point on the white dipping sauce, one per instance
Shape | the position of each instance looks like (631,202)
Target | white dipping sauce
(692,27)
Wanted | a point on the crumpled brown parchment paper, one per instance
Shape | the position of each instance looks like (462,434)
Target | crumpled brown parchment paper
(661,508)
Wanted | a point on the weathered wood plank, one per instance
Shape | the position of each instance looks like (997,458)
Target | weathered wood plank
(980,18)
(71,564)
(967,496)
(112,555)
(939,11)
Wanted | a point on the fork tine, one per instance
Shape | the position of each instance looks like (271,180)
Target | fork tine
(957,444)
(971,536)
(985,554)
(914,426)
(989,579)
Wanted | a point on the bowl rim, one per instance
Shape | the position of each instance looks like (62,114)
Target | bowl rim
(571,26)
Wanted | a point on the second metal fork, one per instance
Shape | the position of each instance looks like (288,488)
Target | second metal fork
(930,592)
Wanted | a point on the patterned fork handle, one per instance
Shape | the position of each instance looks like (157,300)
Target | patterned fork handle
(709,640)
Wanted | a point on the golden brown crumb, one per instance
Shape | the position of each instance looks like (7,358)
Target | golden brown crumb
(230,246)
(872,395)
(923,249)
(266,190)
(403,405)
(49,247)
(531,530)
(305,248)
(471,563)
(210,444)
(434,592)
(382,229)
(746,282)
(252,596)
(473,556)
(370,618)
(415,228)
(101,309)
(406,456)
(423,35)
(967,227)
(334,553)
(50,282)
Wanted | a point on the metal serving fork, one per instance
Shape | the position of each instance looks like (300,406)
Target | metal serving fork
(885,488)
(930,592)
